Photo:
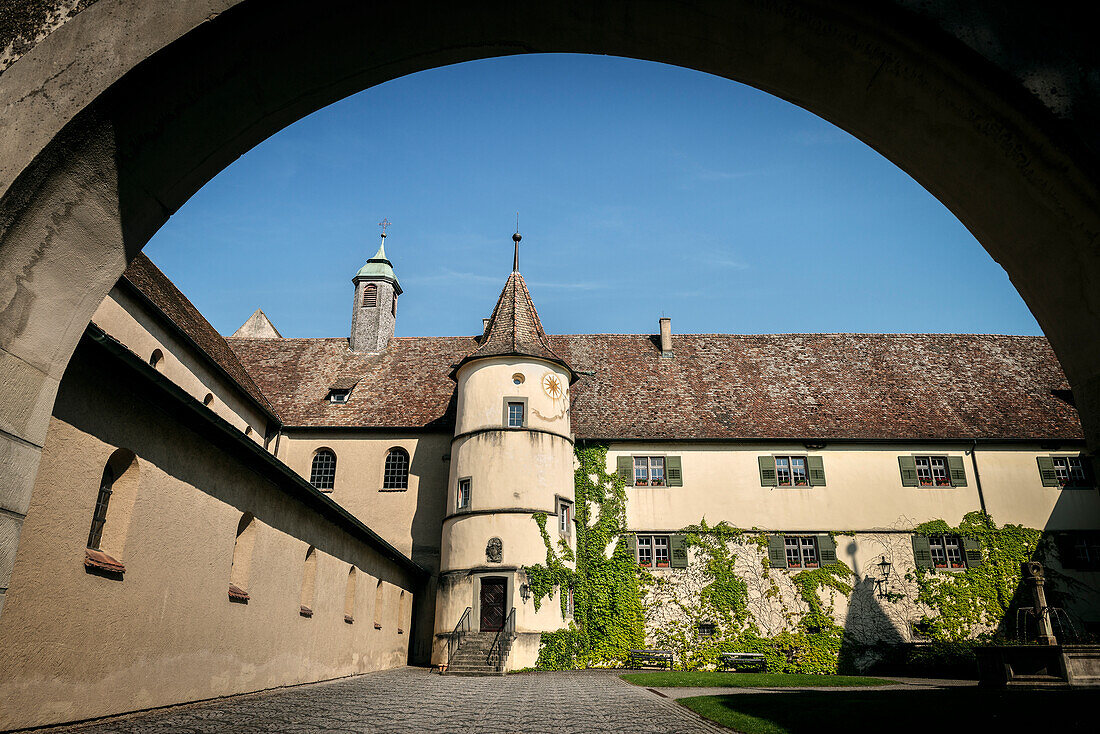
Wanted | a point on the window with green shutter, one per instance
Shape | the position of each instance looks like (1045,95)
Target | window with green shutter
(678,545)
(908,465)
(625,468)
(767,471)
(816,466)
(1046,471)
(777,552)
(957,471)
(972,549)
(826,549)
(674,471)
(922,552)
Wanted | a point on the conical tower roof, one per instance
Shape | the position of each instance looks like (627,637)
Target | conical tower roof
(514,329)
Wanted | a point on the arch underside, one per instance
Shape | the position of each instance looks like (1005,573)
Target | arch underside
(117,117)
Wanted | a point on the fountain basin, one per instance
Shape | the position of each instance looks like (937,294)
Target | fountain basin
(1074,666)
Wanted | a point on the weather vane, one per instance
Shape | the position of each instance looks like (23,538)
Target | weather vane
(383,224)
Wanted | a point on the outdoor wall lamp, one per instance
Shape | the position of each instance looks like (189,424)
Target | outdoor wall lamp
(884,567)
(524,592)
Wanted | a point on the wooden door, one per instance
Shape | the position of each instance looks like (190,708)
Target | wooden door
(492,604)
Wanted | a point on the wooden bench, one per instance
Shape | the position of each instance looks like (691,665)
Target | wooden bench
(737,660)
(660,658)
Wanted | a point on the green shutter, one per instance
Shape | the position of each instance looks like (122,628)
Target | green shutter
(767,475)
(957,471)
(815,467)
(922,552)
(1046,471)
(674,474)
(972,550)
(677,548)
(826,549)
(777,550)
(625,467)
(908,467)
(631,541)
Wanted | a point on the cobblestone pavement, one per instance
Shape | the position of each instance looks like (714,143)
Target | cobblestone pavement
(414,700)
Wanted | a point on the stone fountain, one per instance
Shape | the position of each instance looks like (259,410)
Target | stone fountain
(1046,663)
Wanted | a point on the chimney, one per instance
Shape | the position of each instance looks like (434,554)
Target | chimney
(484,326)
(666,336)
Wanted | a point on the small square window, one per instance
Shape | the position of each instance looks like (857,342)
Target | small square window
(338,396)
(515,415)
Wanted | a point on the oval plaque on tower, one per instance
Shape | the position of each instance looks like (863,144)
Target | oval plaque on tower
(494,551)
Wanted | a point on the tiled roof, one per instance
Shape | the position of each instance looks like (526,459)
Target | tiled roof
(715,386)
(147,278)
(514,327)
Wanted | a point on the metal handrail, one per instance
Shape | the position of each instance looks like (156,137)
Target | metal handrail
(502,643)
(458,635)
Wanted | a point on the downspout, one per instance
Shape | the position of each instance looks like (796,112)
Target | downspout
(977,476)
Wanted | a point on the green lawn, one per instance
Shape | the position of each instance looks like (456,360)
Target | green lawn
(679,679)
(901,711)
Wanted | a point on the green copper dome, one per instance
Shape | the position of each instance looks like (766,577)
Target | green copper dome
(378,267)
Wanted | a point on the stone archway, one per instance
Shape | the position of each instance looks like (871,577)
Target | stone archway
(115,118)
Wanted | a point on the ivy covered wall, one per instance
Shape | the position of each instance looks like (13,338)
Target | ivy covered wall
(817,620)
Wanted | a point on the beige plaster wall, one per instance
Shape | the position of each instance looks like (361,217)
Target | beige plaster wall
(81,645)
(863,488)
(484,385)
(130,322)
(511,469)
(1014,492)
(411,519)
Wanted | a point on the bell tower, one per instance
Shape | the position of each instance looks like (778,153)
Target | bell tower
(374,308)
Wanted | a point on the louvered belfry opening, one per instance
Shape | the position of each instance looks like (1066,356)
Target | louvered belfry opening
(370,296)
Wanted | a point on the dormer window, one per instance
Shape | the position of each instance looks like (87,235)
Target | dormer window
(338,396)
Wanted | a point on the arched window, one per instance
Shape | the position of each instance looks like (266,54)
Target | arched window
(370,296)
(393,308)
(396,475)
(208,399)
(99,515)
(242,559)
(378,599)
(322,474)
(309,575)
(120,463)
(156,358)
(349,597)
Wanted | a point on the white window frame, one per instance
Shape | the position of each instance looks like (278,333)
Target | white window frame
(1070,471)
(565,518)
(462,493)
(789,463)
(803,546)
(511,417)
(652,543)
(941,547)
(931,477)
(653,471)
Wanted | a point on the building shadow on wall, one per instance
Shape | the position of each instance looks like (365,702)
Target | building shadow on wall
(432,467)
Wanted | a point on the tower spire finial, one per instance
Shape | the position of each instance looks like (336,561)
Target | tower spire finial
(516,238)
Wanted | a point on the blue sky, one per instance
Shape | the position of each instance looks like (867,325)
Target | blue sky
(643,190)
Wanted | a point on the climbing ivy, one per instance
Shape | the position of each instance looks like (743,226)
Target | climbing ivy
(609,589)
(607,611)
(975,603)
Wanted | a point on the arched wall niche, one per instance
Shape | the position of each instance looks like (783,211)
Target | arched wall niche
(123,465)
(117,117)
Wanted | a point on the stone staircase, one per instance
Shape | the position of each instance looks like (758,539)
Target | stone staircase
(472,658)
